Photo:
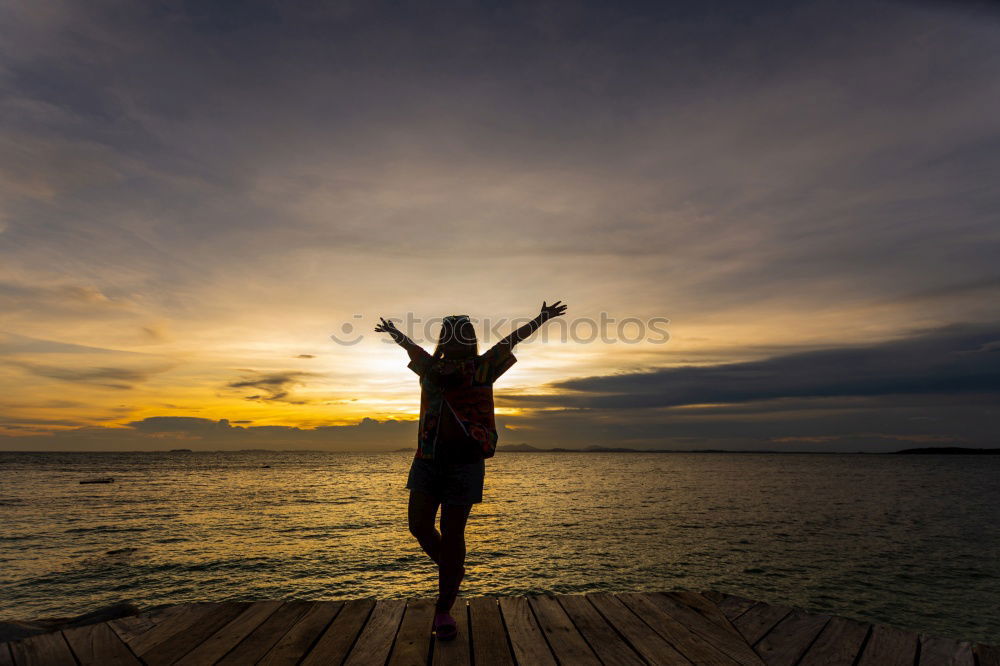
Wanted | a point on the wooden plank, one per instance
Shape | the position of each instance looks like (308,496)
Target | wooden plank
(703,605)
(838,644)
(335,642)
(935,651)
(298,640)
(653,648)
(602,637)
(228,636)
(413,641)
(759,620)
(560,632)
(526,636)
(889,646)
(458,652)
(48,649)
(129,627)
(489,637)
(99,645)
(253,648)
(732,607)
(6,658)
(375,640)
(141,642)
(724,637)
(785,644)
(179,644)
(712,595)
(987,655)
(689,644)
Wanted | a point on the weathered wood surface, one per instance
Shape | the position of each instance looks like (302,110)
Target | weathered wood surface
(489,637)
(628,629)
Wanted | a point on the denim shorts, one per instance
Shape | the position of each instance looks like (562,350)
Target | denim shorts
(448,483)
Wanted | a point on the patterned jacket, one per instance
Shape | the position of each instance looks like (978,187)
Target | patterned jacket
(464,386)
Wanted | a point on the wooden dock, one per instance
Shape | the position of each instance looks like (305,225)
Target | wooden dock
(677,627)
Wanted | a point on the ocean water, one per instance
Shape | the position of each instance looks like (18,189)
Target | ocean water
(907,540)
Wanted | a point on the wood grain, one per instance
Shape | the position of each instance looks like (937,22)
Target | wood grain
(936,651)
(785,644)
(253,648)
(566,642)
(758,620)
(838,644)
(336,641)
(889,646)
(413,641)
(48,649)
(298,640)
(653,648)
(99,645)
(489,636)
(526,636)
(379,632)
(228,636)
(610,647)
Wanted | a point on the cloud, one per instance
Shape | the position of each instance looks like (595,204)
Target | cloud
(305,356)
(65,297)
(726,163)
(276,385)
(12,343)
(104,376)
(952,360)
(154,333)
(186,424)
(163,432)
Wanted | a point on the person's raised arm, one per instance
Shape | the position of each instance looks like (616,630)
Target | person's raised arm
(397,335)
(523,332)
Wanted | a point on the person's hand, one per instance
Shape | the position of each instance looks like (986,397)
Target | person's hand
(386,327)
(550,311)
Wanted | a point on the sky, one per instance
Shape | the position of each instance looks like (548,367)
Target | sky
(206,206)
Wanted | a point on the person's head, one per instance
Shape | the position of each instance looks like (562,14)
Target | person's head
(457,338)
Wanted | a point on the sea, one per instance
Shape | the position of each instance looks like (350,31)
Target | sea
(907,540)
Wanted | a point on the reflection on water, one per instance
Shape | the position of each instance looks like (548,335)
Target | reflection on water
(906,540)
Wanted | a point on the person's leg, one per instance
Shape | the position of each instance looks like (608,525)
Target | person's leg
(451,567)
(422,511)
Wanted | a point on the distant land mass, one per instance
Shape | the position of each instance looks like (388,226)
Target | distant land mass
(952,450)
(528,448)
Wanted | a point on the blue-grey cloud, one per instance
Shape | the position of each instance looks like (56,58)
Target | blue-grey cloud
(758,149)
(197,161)
(955,360)
(165,432)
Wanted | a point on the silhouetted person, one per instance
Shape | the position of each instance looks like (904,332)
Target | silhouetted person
(455,435)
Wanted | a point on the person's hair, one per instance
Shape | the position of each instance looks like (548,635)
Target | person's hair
(457,329)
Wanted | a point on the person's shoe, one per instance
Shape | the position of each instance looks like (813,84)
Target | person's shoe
(445,627)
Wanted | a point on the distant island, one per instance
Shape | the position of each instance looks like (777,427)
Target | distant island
(528,448)
(951,450)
